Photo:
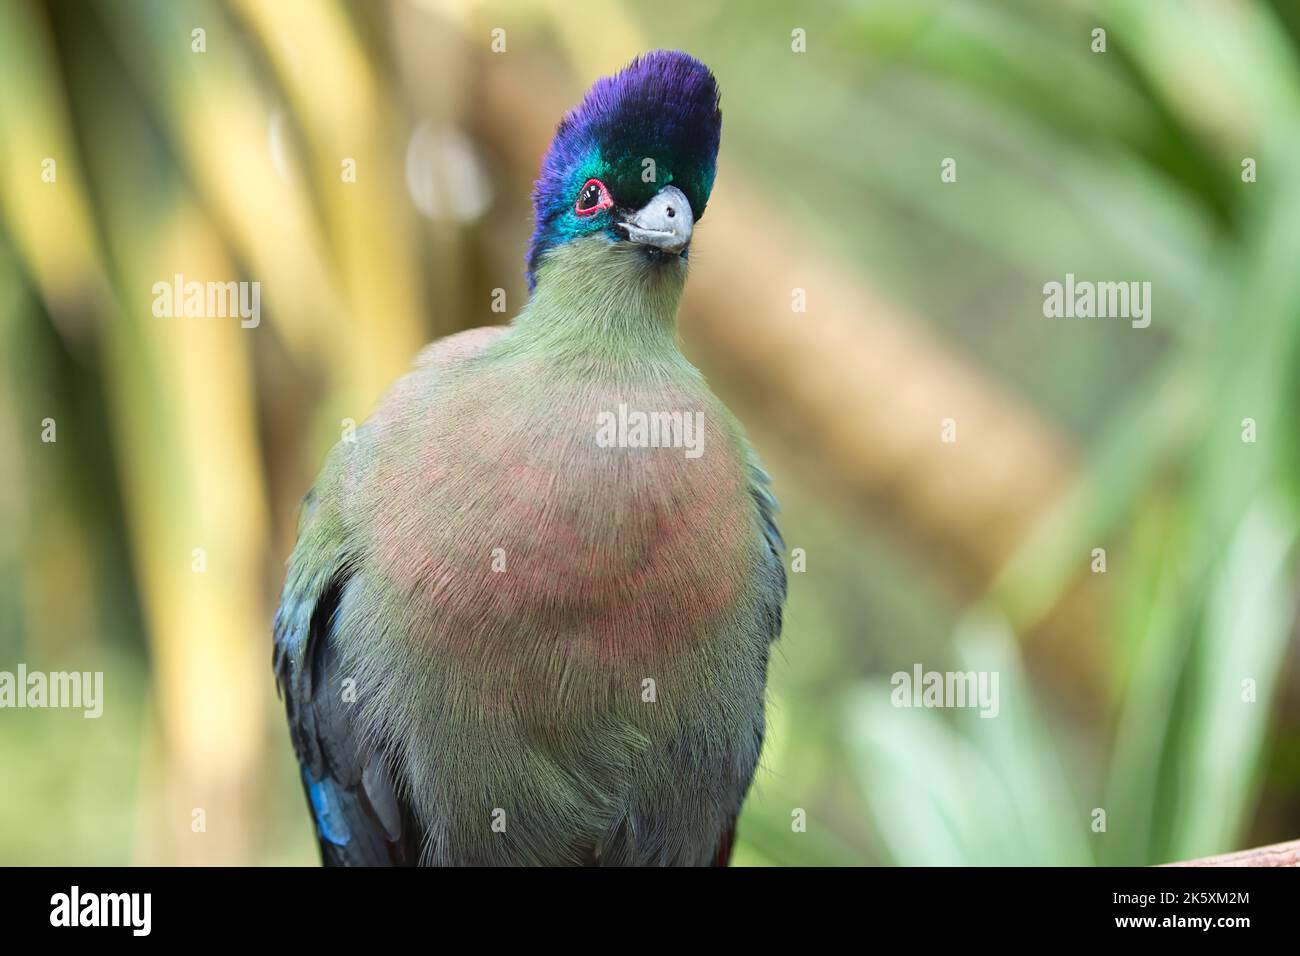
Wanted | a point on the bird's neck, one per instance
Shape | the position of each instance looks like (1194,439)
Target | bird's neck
(597,299)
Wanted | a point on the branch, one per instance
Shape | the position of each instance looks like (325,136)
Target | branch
(1279,854)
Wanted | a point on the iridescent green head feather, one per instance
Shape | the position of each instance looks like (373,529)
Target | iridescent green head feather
(653,125)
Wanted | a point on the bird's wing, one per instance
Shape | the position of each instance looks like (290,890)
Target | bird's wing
(361,819)
(772,568)
(772,576)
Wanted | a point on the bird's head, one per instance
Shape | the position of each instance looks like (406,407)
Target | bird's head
(630,168)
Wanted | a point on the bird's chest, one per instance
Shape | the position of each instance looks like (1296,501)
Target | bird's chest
(595,520)
(575,582)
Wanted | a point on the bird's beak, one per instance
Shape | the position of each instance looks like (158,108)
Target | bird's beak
(665,222)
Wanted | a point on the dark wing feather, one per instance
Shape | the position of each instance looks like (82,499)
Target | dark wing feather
(723,855)
(361,819)
(773,569)
(773,576)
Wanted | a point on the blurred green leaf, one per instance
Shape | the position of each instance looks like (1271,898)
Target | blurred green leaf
(961,788)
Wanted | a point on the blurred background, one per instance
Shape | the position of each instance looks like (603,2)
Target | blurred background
(369,164)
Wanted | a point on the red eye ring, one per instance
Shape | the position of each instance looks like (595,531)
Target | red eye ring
(592,198)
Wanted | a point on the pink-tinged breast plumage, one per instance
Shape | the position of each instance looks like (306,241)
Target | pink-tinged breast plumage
(513,512)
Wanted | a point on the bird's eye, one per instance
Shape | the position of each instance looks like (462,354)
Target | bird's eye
(592,198)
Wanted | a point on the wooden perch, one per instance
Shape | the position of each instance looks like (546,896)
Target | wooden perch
(1279,854)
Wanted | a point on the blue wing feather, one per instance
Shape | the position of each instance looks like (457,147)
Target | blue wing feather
(360,818)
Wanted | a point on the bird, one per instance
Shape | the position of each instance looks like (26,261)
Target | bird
(528,616)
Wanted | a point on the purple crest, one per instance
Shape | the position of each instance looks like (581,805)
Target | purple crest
(658,115)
